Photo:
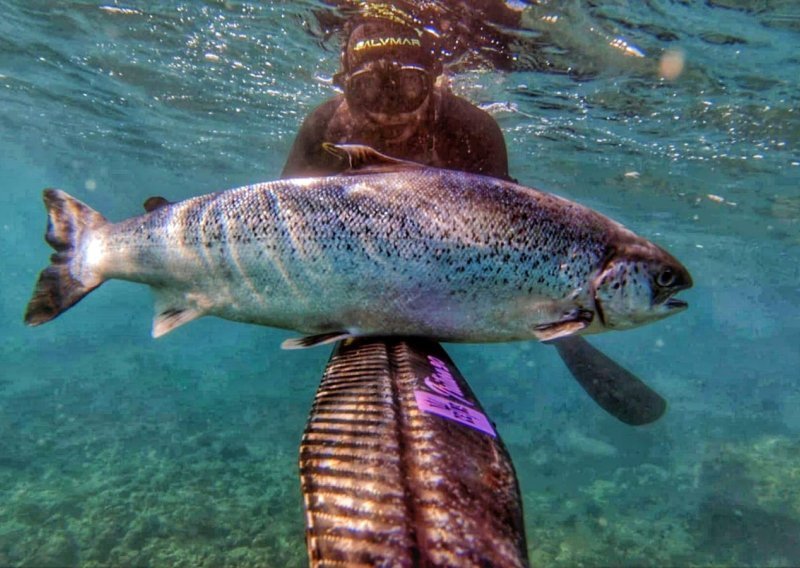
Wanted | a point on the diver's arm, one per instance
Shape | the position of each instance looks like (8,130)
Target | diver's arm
(496,161)
(469,139)
(307,157)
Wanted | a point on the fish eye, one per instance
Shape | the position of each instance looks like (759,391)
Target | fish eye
(666,278)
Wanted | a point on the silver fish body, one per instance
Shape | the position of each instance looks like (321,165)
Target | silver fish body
(419,252)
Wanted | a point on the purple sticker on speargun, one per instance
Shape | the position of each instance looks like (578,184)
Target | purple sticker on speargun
(453,410)
(442,381)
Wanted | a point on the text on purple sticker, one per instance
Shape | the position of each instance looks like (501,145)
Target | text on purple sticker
(453,410)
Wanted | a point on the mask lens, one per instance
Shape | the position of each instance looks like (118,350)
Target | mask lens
(412,87)
(365,89)
(392,90)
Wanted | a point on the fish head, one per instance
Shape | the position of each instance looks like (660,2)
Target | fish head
(637,285)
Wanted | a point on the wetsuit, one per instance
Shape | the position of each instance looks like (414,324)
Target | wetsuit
(375,380)
(458,136)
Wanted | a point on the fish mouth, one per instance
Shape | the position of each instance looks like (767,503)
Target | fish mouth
(667,300)
(674,304)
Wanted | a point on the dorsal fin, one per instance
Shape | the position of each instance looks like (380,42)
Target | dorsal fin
(155,202)
(365,159)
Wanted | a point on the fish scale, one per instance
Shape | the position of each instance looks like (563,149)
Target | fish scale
(419,251)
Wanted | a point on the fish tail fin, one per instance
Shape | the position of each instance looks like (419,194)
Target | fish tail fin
(66,280)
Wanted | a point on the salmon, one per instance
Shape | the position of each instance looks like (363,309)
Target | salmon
(392,248)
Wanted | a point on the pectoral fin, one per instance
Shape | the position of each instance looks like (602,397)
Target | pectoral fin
(572,323)
(314,340)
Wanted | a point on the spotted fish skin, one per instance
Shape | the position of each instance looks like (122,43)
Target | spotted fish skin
(420,252)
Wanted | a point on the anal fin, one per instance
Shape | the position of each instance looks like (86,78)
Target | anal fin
(169,319)
(314,340)
(173,310)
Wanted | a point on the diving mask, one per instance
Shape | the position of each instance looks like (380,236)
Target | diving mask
(388,87)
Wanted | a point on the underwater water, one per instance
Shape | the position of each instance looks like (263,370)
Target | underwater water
(120,450)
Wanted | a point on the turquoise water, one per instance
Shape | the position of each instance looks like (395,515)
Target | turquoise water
(117,449)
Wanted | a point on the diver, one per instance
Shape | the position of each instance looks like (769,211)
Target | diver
(395,101)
